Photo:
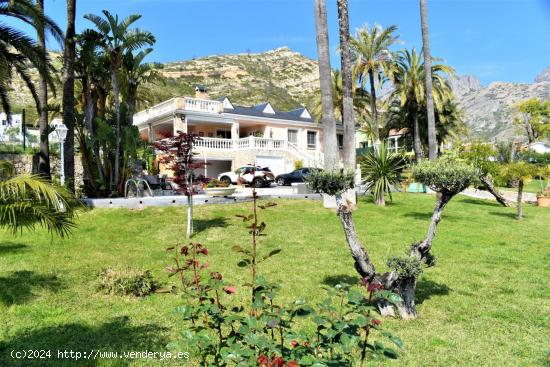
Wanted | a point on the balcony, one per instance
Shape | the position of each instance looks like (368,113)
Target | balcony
(179,103)
(250,142)
(202,105)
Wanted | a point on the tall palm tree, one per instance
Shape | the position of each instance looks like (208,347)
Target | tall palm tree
(119,38)
(408,77)
(371,47)
(327,117)
(360,101)
(44,154)
(348,120)
(432,137)
(26,201)
(69,56)
(17,49)
(136,72)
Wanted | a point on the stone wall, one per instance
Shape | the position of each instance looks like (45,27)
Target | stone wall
(23,164)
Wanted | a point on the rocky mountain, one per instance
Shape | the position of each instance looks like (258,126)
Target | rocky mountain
(288,80)
(488,111)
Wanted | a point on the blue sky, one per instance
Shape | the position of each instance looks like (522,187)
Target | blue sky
(495,40)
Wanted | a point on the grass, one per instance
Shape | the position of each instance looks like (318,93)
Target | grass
(485,303)
(533,186)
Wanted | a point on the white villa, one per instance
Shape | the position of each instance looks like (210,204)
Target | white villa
(234,135)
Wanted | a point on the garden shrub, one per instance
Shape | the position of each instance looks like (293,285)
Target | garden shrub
(216,183)
(125,282)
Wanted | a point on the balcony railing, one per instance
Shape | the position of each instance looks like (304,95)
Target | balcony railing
(178,103)
(250,142)
(202,105)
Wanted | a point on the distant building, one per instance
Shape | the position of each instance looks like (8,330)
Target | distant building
(539,147)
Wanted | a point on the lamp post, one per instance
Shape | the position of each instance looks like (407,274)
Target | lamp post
(61,131)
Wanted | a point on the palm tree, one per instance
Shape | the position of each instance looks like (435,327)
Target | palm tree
(360,101)
(119,38)
(27,200)
(327,117)
(381,170)
(17,49)
(69,57)
(373,60)
(136,72)
(432,137)
(408,77)
(348,120)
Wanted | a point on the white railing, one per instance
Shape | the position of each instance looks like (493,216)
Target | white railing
(202,105)
(311,159)
(157,110)
(214,143)
(178,103)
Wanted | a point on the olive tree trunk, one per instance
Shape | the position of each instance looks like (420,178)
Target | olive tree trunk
(520,197)
(328,120)
(423,248)
(363,264)
(489,186)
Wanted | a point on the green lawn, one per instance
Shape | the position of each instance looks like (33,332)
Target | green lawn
(533,186)
(486,303)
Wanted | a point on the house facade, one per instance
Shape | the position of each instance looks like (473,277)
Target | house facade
(233,136)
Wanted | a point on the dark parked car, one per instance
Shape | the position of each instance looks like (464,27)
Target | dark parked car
(298,175)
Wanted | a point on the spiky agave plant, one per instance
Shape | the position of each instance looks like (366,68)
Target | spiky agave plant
(27,201)
(381,170)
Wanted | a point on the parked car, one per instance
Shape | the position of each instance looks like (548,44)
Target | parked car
(298,175)
(250,175)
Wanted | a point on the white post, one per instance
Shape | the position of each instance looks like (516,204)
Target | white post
(251,141)
(205,169)
(62,168)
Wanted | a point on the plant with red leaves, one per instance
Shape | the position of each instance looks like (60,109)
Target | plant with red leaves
(178,155)
(275,361)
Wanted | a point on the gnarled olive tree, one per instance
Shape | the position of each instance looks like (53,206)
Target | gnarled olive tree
(445,176)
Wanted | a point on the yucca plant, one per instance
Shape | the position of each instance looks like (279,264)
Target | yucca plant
(28,200)
(381,170)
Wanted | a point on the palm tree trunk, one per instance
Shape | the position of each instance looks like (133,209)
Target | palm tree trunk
(432,138)
(116,97)
(416,133)
(374,110)
(44,154)
(89,116)
(327,118)
(68,93)
(347,87)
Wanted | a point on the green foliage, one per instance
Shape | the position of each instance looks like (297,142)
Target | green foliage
(298,164)
(27,200)
(381,170)
(343,330)
(534,118)
(480,155)
(125,282)
(519,171)
(445,175)
(216,183)
(406,266)
(330,183)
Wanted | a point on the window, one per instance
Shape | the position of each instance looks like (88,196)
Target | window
(340,138)
(293,136)
(224,134)
(311,139)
